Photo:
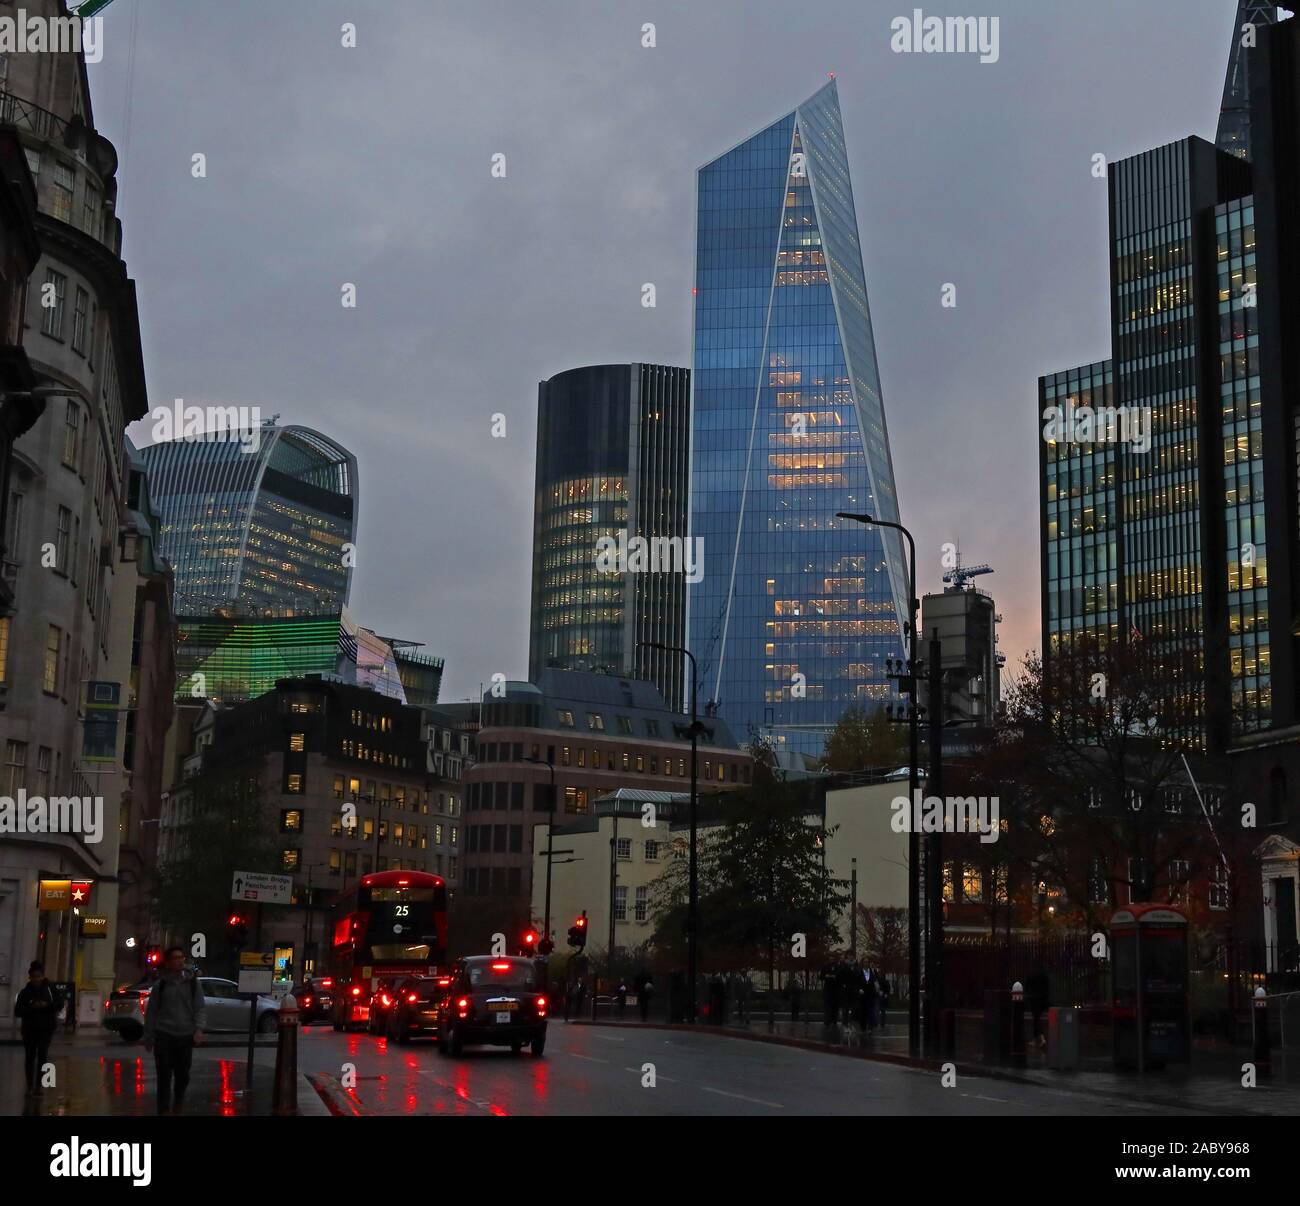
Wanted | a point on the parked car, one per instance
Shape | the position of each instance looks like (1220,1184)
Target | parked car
(416,1009)
(227,1011)
(493,1001)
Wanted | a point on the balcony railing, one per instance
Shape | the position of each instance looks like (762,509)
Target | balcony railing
(23,115)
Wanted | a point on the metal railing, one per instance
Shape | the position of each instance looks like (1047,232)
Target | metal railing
(23,115)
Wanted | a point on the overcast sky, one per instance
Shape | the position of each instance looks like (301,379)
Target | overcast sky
(372,166)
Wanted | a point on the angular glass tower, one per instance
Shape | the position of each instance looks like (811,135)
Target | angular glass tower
(1234,113)
(796,610)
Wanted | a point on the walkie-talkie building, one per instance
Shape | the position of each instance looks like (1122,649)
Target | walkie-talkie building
(256,527)
(796,610)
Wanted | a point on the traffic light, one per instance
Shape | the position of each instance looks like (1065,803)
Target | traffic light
(546,946)
(528,943)
(237,932)
(578,932)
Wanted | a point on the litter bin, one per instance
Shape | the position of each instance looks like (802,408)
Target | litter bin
(1063,1038)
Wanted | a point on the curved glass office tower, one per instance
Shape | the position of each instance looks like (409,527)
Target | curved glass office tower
(258,532)
(612,445)
(796,611)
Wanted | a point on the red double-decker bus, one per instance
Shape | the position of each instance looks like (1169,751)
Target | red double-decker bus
(388,925)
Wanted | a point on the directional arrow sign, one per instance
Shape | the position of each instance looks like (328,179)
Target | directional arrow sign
(265,889)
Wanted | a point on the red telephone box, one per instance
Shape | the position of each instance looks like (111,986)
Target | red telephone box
(1149,1000)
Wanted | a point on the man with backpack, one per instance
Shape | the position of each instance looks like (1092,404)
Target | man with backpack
(173,1026)
(38,1006)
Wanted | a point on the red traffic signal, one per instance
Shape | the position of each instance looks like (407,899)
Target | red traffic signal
(578,932)
(530,940)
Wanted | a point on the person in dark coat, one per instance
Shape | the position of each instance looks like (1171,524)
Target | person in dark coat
(644,993)
(830,994)
(38,1006)
(620,996)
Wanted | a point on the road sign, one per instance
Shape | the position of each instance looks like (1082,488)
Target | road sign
(256,959)
(255,979)
(265,889)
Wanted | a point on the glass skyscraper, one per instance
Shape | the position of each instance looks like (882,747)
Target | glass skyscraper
(612,446)
(257,532)
(796,610)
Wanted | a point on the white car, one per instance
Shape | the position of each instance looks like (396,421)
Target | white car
(227,1011)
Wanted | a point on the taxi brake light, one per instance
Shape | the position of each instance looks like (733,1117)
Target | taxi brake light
(356,992)
(501,967)
(411,998)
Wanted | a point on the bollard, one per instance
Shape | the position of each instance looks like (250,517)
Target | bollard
(1017,1018)
(1259,1019)
(284,1095)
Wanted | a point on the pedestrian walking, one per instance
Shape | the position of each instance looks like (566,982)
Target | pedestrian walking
(620,995)
(866,1002)
(38,1006)
(643,998)
(173,1026)
(830,994)
(744,992)
(884,989)
(796,994)
(581,995)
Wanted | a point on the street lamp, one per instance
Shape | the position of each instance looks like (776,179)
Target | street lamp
(550,839)
(913,783)
(693,730)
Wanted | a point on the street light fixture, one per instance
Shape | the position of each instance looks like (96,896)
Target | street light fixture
(693,730)
(913,782)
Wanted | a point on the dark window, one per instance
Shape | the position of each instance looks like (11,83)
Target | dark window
(516,797)
(514,881)
(516,839)
(499,839)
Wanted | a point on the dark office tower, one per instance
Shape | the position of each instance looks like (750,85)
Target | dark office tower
(1234,115)
(1165,331)
(1275,618)
(797,610)
(612,449)
(1080,529)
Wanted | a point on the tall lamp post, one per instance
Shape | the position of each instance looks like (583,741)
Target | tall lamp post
(550,840)
(913,782)
(693,730)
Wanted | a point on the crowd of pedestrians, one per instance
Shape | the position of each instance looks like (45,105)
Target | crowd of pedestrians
(854,993)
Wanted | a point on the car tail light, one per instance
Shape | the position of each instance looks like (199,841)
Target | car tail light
(306,1000)
(356,991)
(501,967)
(385,999)
(144,1001)
(462,1007)
(105,1002)
(411,998)
(328,982)
(541,1004)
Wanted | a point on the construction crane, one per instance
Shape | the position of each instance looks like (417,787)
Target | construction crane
(960,574)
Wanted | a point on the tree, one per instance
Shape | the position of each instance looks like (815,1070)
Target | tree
(223,826)
(861,740)
(763,879)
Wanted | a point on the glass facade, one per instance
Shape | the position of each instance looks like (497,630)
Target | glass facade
(1081,518)
(260,532)
(1245,548)
(1234,115)
(796,611)
(612,446)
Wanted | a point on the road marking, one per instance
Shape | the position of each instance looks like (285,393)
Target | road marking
(741,1097)
(981,1097)
(667,1079)
(589,1058)
(609,1038)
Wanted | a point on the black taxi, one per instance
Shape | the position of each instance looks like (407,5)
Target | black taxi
(493,1001)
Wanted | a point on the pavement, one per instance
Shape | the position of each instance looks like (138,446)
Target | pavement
(96,1074)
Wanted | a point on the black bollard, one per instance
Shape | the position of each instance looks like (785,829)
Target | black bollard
(1263,1052)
